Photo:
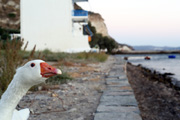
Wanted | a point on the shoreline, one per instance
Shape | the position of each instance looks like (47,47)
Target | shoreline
(158,98)
(147,52)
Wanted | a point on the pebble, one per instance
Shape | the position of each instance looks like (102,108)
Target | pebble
(54,95)
(97,70)
(84,78)
(72,110)
(49,108)
(80,118)
(39,88)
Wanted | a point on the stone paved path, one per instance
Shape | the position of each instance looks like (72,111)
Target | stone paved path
(118,101)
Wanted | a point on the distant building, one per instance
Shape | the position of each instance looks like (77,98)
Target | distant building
(54,25)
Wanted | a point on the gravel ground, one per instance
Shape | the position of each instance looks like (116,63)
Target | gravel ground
(158,99)
(76,100)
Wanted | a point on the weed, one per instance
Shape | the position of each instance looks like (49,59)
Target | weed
(73,57)
(10,59)
(95,57)
(59,79)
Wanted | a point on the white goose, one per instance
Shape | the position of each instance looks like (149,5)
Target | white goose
(32,73)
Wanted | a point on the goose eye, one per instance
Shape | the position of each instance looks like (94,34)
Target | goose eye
(32,64)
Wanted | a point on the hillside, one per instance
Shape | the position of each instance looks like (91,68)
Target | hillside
(10,14)
(154,48)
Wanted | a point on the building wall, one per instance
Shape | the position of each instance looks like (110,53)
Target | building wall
(48,25)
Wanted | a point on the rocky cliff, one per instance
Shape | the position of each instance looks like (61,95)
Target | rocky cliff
(98,22)
(10,14)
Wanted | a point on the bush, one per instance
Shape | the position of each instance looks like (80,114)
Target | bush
(48,55)
(11,15)
(103,42)
(10,59)
(94,57)
(59,79)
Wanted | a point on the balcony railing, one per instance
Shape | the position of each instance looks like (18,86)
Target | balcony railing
(79,13)
(80,0)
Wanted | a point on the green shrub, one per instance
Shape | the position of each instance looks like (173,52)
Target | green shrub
(10,59)
(59,79)
(103,42)
(11,15)
(94,57)
(48,55)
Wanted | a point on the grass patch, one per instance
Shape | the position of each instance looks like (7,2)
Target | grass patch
(54,80)
(48,55)
(94,57)
(59,79)
(10,59)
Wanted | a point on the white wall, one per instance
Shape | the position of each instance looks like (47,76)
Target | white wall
(48,24)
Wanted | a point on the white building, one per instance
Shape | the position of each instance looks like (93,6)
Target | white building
(54,25)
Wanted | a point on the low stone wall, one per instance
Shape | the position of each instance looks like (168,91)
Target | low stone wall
(158,98)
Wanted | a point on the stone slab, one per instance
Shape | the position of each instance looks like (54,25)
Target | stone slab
(115,79)
(118,100)
(119,116)
(117,93)
(121,88)
(117,109)
(117,83)
(116,76)
(114,73)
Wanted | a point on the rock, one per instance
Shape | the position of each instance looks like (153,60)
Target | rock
(72,110)
(39,88)
(98,22)
(84,78)
(54,95)
(97,70)
(80,118)
(31,110)
(49,108)
(84,100)
(17,6)
(11,3)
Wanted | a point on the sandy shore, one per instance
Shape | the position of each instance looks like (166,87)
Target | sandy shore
(76,100)
(157,98)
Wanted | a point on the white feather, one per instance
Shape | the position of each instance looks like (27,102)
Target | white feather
(21,114)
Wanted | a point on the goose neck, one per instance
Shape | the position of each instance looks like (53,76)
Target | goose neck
(11,98)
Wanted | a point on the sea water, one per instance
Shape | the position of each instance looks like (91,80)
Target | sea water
(159,62)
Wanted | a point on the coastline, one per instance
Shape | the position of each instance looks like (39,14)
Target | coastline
(147,52)
(158,98)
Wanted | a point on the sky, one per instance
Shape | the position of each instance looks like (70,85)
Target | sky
(140,22)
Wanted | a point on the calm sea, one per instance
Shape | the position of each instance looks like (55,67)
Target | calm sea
(158,62)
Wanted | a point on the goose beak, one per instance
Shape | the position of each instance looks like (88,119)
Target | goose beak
(48,71)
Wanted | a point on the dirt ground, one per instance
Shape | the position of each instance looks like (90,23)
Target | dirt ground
(157,98)
(76,100)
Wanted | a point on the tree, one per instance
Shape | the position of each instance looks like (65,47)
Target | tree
(102,42)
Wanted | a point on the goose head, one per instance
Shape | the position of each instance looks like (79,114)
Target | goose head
(35,72)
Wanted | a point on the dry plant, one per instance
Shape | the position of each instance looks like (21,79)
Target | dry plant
(11,57)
